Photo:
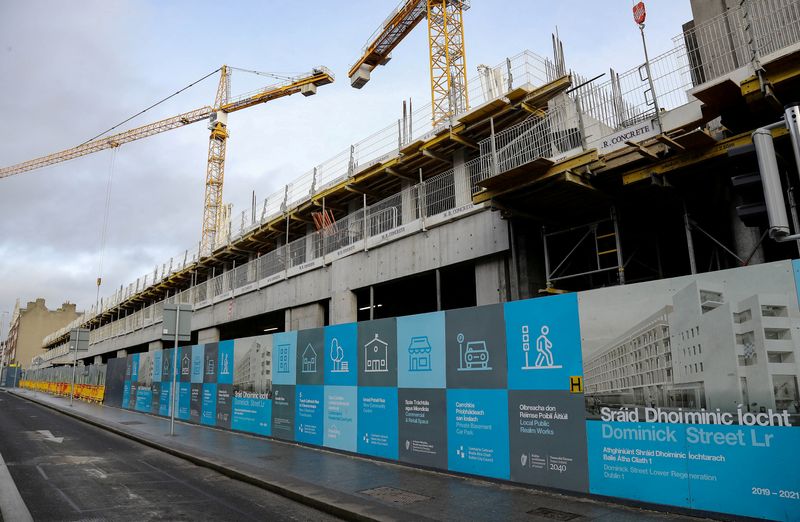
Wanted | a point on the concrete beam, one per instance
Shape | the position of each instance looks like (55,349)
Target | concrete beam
(208,335)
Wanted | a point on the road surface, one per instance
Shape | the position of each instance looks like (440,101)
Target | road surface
(65,469)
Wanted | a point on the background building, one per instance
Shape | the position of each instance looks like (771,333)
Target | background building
(29,325)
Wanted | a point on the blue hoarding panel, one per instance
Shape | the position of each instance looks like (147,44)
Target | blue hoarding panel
(477,432)
(341,416)
(209,411)
(377,422)
(421,361)
(284,355)
(164,399)
(157,356)
(184,400)
(126,394)
(253,415)
(309,414)
(341,354)
(543,343)
(198,351)
(225,362)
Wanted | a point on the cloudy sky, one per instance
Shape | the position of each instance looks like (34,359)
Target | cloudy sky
(71,70)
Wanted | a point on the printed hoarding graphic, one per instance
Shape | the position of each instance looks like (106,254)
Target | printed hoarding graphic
(476,348)
(224,406)
(691,391)
(341,355)
(195,402)
(210,362)
(681,392)
(165,399)
(310,367)
(309,414)
(285,354)
(477,432)
(251,369)
(225,362)
(547,434)
(184,401)
(155,398)
(155,367)
(377,347)
(422,426)
(421,351)
(208,412)
(197,375)
(341,417)
(115,381)
(543,342)
(377,421)
(283,411)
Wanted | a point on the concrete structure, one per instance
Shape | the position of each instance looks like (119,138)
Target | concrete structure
(547,183)
(703,351)
(31,324)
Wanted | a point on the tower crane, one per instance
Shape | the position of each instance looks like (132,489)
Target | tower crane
(446,42)
(217,116)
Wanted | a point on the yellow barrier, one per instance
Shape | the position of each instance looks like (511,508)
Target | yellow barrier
(85,392)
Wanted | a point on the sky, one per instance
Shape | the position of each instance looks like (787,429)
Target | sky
(71,70)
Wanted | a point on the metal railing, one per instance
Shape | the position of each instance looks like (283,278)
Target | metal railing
(738,38)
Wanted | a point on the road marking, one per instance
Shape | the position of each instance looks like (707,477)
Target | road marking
(49,436)
(11,504)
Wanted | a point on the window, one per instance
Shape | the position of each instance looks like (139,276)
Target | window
(777,334)
(780,357)
(774,311)
(745,360)
(742,317)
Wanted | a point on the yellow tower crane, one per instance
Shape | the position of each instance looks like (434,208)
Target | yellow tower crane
(306,84)
(448,62)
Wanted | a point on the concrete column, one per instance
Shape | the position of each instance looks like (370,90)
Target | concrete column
(303,317)
(98,359)
(209,335)
(344,307)
(491,281)
(122,353)
(528,252)
(407,205)
(460,179)
(310,241)
(745,238)
(154,346)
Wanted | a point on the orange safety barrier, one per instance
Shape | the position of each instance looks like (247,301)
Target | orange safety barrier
(86,392)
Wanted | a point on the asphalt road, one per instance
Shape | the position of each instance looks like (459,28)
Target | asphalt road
(79,472)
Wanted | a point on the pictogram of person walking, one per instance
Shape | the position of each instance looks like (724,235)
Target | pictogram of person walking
(543,346)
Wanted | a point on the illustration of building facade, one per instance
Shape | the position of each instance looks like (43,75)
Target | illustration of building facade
(704,351)
(376,356)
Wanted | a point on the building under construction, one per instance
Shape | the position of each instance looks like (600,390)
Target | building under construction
(529,180)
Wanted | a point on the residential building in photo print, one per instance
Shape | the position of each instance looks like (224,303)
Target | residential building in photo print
(709,348)
(253,365)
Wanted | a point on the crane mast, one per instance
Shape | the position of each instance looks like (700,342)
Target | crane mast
(217,116)
(447,57)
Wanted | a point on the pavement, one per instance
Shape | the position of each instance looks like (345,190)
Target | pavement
(346,485)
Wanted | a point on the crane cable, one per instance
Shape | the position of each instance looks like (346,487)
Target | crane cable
(104,228)
(150,107)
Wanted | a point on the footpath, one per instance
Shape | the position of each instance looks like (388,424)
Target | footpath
(347,486)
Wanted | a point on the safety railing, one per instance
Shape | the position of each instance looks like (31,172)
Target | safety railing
(735,39)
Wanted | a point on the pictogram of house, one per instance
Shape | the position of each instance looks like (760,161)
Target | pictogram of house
(376,356)
(309,360)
